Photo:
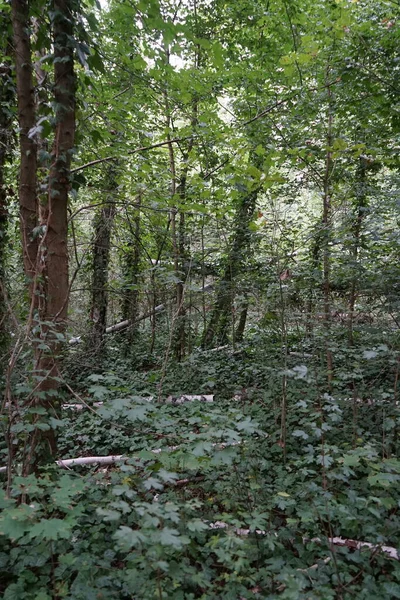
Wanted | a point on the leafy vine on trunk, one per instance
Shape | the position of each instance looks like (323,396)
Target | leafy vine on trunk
(103,225)
(7,95)
(218,325)
(44,229)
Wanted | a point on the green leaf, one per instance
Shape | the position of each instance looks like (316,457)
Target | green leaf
(202,448)
(197,525)
(51,529)
(95,62)
(172,537)
(12,528)
(109,514)
(247,425)
(300,433)
(127,538)
(383,479)
(152,483)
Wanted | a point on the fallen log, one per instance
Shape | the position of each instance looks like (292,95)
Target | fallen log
(81,406)
(66,463)
(335,541)
(122,325)
(238,530)
(90,460)
(358,545)
(125,324)
(169,400)
(190,398)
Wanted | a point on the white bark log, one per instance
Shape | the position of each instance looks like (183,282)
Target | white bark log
(66,463)
(336,541)
(125,324)
(190,398)
(217,349)
(356,544)
(90,460)
(122,325)
(238,530)
(169,400)
(80,406)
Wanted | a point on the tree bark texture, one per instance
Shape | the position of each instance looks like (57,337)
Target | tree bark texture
(239,332)
(181,260)
(101,257)
(28,146)
(54,212)
(218,325)
(327,231)
(130,308)
(45,248)
(7,94)
(360,205)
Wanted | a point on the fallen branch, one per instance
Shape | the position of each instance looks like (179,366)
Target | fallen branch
(336,541)
(90,460)
(358,545)
(66,463)
(187,481)
(122,325)
(314,567)
(190,398)
(217,349)
(125,324)
(170,400)
(238,530)
(80,406)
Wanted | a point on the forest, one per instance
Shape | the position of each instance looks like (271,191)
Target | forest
(199,299)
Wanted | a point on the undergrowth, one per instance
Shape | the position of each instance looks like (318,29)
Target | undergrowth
(239,498)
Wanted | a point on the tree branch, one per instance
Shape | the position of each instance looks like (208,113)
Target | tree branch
(98,161)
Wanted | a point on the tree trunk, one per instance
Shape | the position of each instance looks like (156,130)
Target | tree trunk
(239,332)
(181,263)
(327,226)
(130,309)
(7,94)
(218,326)
(28,148)
(101,257)
(53,249)
(360,205)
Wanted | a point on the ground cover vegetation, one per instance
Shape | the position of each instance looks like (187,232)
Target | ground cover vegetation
(199,299)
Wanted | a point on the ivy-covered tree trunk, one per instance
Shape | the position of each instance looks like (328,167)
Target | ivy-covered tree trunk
(53,250)
(181,266)
(28,147)
(360,205)
(182,259)
(239,331)
(130,307)
(327,234)
(7,95)
(101,257)
(218,325)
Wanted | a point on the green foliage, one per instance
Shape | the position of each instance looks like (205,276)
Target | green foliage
(153,520)
(271,106)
